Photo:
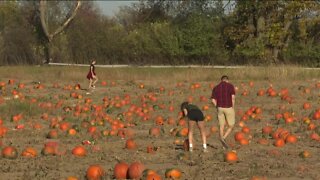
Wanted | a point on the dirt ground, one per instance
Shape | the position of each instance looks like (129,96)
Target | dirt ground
(254,159)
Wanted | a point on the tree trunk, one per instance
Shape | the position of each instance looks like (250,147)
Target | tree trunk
(45,28)
(47,52)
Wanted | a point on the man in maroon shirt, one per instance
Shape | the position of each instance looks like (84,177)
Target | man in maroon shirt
(223,98)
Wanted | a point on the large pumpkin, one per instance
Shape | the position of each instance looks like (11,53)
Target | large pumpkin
(120,170)
(9,152)
(95,172)
(135,170)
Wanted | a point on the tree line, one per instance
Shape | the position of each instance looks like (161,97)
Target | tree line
(205,32)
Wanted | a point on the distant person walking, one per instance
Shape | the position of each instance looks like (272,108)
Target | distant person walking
(223,98)
(195,116)
(92,75)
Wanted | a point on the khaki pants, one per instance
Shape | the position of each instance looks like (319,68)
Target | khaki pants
(226,115)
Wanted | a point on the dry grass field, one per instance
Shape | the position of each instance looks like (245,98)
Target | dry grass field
(37,102)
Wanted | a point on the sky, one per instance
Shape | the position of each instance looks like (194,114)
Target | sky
(110,8)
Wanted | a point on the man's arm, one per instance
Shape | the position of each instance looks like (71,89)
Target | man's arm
(214,102)
(233,97)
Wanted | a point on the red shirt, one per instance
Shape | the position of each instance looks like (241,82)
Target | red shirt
(222,93)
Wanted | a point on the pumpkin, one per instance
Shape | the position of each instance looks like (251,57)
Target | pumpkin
(306,106)
(279,143)
(263,141)
(48,150)
(79,151)
(72,178)
(9,152)
(245,129)
(155,131)
(267,130)
(131,144)
(72,132)
(173,173)
(135,170)
(3,131)
(153,177)
(231,157)
(29,152)
(244,141)
(291,139)
(305,154)
(171,121)
(95,172)
(183,132)
(315,136)
(120,170)
(53,134)
(238,136)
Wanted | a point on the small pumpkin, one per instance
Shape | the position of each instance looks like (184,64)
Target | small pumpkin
(131,144)
(79,151)
(29,152)
(231,157)
(173,173)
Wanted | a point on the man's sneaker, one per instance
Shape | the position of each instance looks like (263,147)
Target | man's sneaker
(93,87)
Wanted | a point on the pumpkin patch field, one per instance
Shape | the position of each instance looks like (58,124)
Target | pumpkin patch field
(130,125)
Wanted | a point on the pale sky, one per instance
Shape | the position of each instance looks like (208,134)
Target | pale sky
(111,7)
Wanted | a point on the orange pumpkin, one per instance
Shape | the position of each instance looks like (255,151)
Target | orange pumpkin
(29,152)
(279,143)
(131,144)
(48,150)
(135,170)
(171,121)
(291,139)
(53,134)
(173,173)
(238,136)
(120,170)
(155,131)
(245,129)
(183,132)
(305,154)
(95,172)
(244,141)
(306,105)
(231,157)
(263,141)
(72,132)
(9,152)
(79,151)
(72,178)
(267,130)
(153,177)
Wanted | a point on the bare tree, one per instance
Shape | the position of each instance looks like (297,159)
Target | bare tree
(44,24)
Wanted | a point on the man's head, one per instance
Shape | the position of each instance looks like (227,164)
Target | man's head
(225,78)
